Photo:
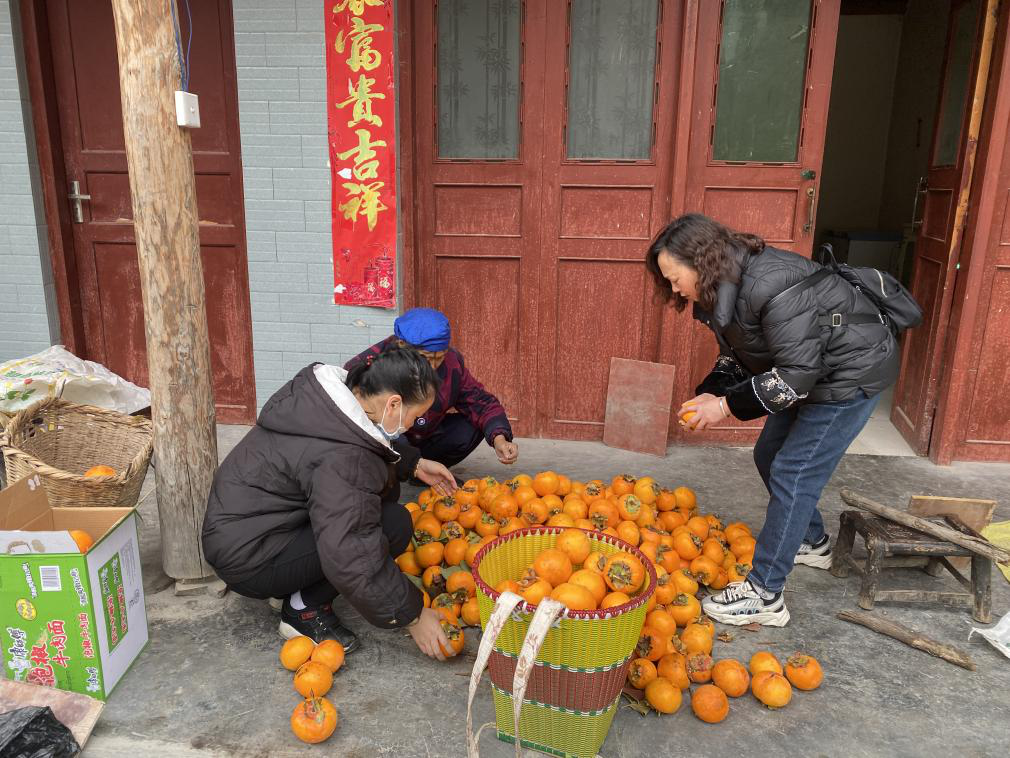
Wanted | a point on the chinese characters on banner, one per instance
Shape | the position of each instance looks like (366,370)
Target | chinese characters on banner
(361,106)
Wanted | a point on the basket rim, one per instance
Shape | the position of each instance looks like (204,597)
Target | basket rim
(600,613)
(18,420)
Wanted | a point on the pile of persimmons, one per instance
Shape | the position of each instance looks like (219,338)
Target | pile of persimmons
(689,550)
(661,679)
(315,718)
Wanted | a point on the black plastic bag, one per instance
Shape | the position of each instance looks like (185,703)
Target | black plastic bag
(35,732)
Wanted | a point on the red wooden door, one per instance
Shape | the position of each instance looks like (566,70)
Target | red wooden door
(478,177)
(542,173)
(976,408)
(761,92)
(933,276)
(608,135)
(103,266)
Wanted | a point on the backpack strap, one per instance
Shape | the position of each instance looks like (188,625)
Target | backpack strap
(844,319)
(802,284)
(831,319)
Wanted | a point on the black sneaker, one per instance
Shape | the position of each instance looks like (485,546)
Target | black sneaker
(817,555)
(319,623)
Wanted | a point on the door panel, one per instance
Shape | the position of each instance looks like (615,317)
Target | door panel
(933,276)
(607,177)
(989,415)
(490,319)
(761,90)
(477,141)
(86,74)
(587,337)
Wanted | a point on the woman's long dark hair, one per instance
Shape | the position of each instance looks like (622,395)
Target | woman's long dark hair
(400,370)
(710,248)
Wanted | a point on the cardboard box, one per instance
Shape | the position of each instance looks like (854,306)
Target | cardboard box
(70,620)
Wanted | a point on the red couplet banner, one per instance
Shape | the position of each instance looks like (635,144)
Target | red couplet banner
(361,108)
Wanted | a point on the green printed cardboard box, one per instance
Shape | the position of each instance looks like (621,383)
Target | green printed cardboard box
(70,620)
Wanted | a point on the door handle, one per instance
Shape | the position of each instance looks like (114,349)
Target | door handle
(811,197)
(920,190)
(76,198)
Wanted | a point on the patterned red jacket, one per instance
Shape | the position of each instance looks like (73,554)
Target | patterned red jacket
(458,389)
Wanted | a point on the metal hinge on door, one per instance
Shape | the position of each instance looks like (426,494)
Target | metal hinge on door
(920,190)
(76,198)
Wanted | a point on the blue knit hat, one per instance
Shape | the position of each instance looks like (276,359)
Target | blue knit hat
(423,328)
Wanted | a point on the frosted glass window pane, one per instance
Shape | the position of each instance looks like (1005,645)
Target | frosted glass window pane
(762,69)
(478,79)
(612,67)
(955,86)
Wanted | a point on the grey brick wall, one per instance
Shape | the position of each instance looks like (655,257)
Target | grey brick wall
(280,51)
(27,323)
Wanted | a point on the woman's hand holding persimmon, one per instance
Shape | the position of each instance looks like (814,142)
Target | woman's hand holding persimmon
(703,411)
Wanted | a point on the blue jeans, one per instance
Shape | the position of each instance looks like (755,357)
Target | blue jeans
(796,454)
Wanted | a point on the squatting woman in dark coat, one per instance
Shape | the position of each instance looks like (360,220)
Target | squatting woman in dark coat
(307,505)
(812,358)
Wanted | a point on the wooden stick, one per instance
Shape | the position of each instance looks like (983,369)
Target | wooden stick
(166,224)
(910,637)
(977,545)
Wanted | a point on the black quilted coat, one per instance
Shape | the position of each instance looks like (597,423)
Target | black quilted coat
(776,351)
(307,462)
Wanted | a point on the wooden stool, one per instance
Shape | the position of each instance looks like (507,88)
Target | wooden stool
(892,545)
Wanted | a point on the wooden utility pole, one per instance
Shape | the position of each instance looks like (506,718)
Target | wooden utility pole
(166,225)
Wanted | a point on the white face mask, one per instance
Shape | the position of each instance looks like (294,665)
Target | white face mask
(400,428)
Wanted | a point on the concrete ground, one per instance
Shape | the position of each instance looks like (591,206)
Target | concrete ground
(209,684)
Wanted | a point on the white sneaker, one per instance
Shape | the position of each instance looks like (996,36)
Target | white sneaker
(818,556)
(275,603)
(742,603)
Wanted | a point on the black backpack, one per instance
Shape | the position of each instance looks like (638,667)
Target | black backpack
(898,309)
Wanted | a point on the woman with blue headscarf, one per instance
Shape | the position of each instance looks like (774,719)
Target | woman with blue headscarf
(441,435)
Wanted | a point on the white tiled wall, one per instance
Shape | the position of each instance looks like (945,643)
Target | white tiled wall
(28,320)
(282,90)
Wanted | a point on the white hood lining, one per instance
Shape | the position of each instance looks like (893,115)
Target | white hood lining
(332,379)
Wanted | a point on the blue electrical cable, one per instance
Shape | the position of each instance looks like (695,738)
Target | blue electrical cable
(189,42)
(183,60)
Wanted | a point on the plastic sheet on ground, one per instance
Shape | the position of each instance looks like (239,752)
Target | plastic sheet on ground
(34,732)
(57,372)
(998,636)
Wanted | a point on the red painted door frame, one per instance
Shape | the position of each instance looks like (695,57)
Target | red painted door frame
(78,329)
(935,267)
(985,255)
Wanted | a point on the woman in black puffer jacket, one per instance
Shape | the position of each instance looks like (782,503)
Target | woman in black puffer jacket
(813,358)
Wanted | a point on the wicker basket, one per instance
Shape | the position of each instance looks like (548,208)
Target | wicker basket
(59,441)
(572,690)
